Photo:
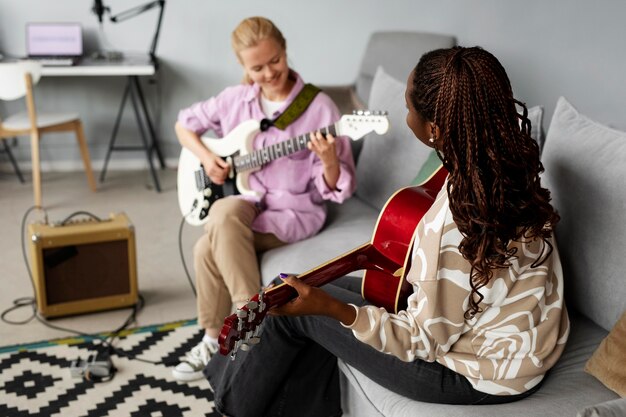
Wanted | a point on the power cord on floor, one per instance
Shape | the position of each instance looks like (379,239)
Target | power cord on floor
(25,301)
(98,367)
(182,255)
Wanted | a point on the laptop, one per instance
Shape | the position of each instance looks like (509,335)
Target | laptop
(54,44)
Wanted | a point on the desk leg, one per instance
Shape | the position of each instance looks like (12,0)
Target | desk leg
(134,92)
(7,150)
(154,145)
(141,112)
(114,133)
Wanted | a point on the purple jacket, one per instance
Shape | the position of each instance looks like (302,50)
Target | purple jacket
(293,187)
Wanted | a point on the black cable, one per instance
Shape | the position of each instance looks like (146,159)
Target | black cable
(182,255)
(31,301)
(76,213)
(17,304)
(25,301)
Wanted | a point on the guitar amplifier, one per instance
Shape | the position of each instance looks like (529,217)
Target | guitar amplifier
(84,265)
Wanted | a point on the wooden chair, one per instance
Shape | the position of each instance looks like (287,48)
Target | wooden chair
(16,81)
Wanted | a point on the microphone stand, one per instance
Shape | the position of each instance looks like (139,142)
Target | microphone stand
(135,11)
(133,89)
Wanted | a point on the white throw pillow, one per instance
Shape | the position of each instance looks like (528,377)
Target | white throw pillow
(585,171)
(390,162)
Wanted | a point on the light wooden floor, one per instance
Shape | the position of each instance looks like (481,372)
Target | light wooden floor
(161,277)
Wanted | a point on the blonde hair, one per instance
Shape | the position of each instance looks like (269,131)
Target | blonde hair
(250,32)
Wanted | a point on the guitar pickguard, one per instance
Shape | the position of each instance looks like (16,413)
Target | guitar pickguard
(212,192)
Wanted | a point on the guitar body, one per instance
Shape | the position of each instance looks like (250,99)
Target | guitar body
(385,259)
(196,192)
(393,239)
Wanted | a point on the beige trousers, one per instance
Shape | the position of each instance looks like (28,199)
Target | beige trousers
(225,260)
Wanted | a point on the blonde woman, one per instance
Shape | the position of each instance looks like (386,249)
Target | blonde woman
(293,189)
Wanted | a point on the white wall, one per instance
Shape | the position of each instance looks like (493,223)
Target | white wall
(549,48)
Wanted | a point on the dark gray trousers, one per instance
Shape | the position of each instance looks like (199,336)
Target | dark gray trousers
(293,370)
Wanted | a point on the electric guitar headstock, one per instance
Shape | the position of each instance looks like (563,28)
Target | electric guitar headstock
(241,329)
(362,122)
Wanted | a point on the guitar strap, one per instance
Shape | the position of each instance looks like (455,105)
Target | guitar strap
(294,110)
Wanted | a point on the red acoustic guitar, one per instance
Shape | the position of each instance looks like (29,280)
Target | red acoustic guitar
(385,259)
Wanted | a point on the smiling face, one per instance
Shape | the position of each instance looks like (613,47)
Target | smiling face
(266,64)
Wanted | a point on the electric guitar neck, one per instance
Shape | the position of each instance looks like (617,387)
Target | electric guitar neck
(196,192)
(385,259)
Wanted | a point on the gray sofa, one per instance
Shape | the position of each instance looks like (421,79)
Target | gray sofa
(585,170)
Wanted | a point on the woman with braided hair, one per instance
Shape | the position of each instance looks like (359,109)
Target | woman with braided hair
(487,318)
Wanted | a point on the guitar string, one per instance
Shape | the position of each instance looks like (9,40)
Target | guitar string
(287,147)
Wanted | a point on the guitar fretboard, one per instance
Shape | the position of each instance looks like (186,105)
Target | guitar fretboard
(265,155)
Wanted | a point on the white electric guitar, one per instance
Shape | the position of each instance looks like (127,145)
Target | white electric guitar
(196,192)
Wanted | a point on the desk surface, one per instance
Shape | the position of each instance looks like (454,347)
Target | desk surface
(129,65)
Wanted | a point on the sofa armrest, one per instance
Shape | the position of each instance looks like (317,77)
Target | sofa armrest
(613,408)
(344,97)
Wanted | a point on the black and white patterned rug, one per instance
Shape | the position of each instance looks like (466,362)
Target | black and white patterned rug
(35,379)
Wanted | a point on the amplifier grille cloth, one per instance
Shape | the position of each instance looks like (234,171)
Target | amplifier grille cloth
(79,272)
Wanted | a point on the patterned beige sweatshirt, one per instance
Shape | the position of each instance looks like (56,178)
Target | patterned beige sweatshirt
(504,350)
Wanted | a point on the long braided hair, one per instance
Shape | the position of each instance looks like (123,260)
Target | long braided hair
(485,144)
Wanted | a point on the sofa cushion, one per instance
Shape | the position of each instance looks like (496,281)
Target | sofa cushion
(614,408)
(535,115)
(585,171)
(399,51)
(390,162)
(608,362)
(565,390)
(348,225)
(430,166)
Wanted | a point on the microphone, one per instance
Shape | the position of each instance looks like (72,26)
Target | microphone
(98,9)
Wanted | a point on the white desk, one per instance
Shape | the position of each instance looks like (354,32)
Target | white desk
(132,67)
(138,65)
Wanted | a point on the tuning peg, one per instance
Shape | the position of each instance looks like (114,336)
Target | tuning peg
(245,347)
(252,305)
(262,304)
(252,337)
(233,354)
(241,318)
(251,316)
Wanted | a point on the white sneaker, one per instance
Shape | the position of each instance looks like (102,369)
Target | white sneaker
(190,368)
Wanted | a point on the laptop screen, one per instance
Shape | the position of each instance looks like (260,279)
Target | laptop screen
(54,39)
